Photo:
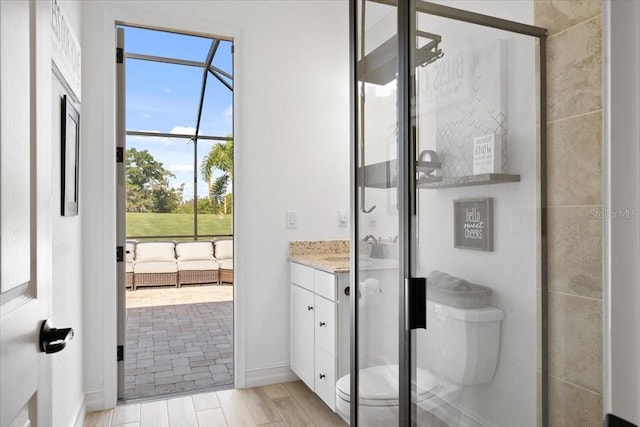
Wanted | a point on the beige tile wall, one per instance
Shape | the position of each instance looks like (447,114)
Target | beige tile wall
(574,172)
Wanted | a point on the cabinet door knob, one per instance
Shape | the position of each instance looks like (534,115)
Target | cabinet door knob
(322,324)
(309,307)
(322,376)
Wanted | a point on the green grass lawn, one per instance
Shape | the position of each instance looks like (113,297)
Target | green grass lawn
(171,224)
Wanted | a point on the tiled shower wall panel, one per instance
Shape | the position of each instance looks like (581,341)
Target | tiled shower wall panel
(574,171)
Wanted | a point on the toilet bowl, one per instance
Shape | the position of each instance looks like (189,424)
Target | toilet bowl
(378,394)
(461,349)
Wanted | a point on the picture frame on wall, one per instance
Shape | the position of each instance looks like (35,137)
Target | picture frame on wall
(473,224)
(70,162)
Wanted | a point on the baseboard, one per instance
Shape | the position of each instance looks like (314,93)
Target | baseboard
(268,374)
(80,414)
(94,400)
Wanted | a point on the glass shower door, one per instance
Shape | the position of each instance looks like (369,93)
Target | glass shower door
(475,221)
(450,263)
(376,304)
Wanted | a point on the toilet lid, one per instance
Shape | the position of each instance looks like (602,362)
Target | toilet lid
(378,385)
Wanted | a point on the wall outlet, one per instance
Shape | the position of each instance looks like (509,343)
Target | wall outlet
(343,218)
(292,219)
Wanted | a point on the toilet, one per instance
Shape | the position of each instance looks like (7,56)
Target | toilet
(459,348)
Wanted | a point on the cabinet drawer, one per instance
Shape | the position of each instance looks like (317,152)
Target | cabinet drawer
(325,381)
(325,284)
(302,276)
(325,324)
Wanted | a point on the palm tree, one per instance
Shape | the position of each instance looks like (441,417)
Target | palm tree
(219,158)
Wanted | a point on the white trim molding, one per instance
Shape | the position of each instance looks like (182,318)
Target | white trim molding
(621,203)
(268,374)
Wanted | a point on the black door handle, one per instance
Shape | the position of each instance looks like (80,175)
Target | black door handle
(416,288)
(52,340)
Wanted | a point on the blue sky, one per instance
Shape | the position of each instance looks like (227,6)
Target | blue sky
(164,98)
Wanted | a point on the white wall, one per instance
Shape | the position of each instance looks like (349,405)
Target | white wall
(621,273)
(67,295)
(292,152)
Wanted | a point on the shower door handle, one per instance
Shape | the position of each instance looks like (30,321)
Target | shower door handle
(416,291)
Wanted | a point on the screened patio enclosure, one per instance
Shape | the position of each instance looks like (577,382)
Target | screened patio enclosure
(179,136)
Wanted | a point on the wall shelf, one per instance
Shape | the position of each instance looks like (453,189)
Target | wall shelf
(383,175)
(467,181)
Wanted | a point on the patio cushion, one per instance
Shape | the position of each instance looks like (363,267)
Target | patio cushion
(193,251)
(130,251)
(227,264)
(197,265)
(129,267)
(155,251)
(155,267)
(223,249)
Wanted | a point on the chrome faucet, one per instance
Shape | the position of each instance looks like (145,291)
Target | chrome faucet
(376,249)
(370,237)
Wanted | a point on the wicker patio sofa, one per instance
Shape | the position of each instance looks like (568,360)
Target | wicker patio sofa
(223,252)
(196,263)
(177,264)
(155,264)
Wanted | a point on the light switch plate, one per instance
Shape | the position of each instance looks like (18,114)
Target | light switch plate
(292,219)
(343,218)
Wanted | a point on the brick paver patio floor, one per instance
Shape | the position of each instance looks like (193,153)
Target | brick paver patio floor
(178,339)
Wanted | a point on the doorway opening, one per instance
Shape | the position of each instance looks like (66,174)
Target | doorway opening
(175,212)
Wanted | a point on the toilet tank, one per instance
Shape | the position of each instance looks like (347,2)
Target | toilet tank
(461,344)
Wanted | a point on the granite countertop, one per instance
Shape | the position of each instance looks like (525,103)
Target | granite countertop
(334,263)
(332,256)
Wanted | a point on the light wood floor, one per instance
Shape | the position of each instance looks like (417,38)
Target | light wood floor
(289,404)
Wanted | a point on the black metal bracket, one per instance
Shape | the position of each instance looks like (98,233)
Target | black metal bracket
(119,254)
(120,353)
(119,55)
(119,155)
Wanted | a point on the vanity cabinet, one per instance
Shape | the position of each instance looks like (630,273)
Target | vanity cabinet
(316,355)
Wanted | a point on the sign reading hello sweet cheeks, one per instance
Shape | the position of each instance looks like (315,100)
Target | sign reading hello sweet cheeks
(473,224)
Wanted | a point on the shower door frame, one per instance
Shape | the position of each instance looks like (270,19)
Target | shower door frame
(406,12)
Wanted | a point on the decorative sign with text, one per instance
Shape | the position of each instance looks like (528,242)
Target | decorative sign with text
(473,224)
(65,49)
(487,154)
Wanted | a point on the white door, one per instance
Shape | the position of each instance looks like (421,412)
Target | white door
(26,210)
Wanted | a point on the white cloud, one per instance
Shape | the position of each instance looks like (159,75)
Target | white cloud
(168,90)
(183,130)
(187,167)
(146,116)
(151,139)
